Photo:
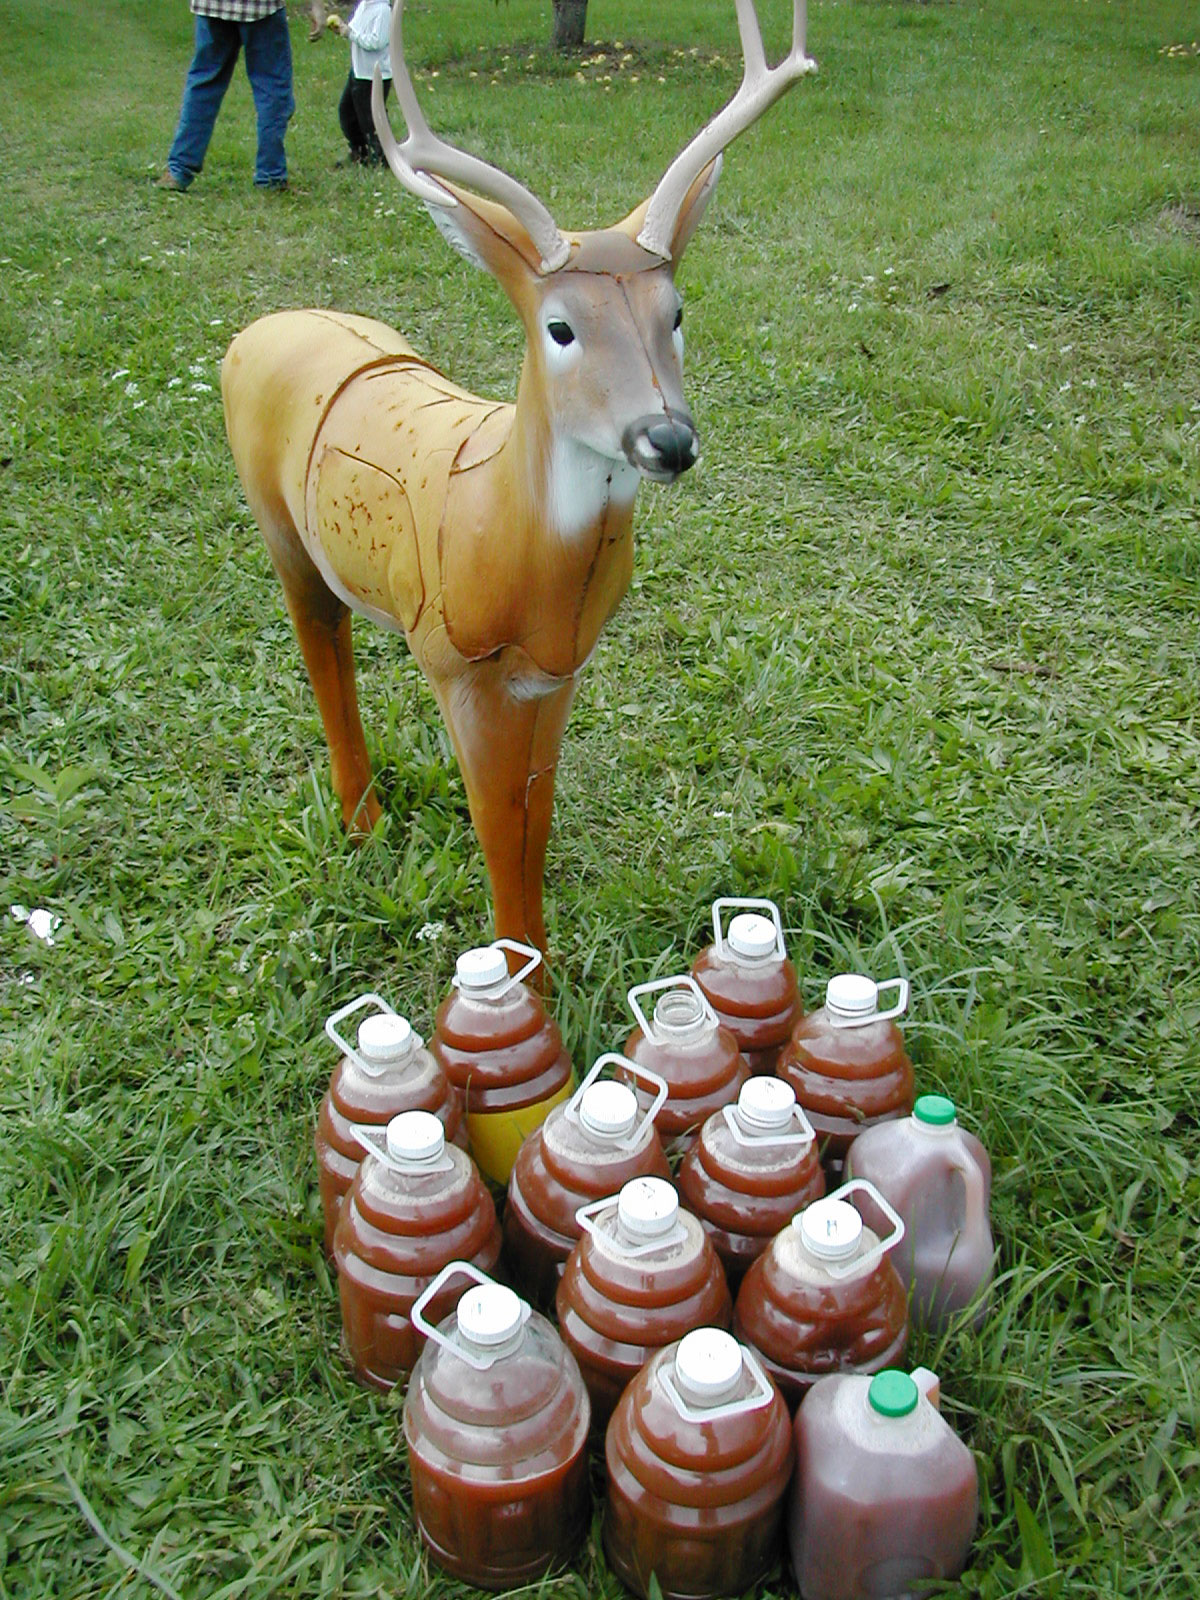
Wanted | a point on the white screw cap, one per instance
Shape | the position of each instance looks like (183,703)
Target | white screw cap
(415,1136)
(830,1229)
(765,1104)
(647,1208)
(752,937)
(608,1110)
(384,1039)
(489,1315)
(481,969)
(708,1365)
(852,994)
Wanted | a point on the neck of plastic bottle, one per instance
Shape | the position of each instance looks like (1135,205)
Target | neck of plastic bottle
(679,1017)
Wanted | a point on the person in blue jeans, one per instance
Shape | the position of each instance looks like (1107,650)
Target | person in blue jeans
(223,27)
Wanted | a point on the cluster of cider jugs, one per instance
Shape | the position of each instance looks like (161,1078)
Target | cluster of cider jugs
(673,1213)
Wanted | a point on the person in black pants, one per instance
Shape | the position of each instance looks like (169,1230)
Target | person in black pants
(367,32)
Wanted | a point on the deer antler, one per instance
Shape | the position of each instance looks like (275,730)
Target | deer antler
(423,152)
(760,87)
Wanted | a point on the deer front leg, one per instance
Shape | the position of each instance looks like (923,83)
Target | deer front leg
(507,728)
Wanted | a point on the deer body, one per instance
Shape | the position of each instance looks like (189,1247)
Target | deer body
(496,537)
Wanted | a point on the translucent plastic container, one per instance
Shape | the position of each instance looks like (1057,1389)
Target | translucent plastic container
(748,980)
(825,1297)
(847,1062)
(688,1048)
(497,1045)
(885,1496)
(586,1148)
(415,1205)
(388,1073)
(939,1178)
(699,1456)
(496,1421)
(643,1275)
(752,1168)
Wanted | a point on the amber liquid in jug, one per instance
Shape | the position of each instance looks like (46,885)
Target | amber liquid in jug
(698,1457)
(847,1062)
(415,1205)
(390,1072)
(685,1044)
(749,982)
(824,1297)
(497,1045)
(496,1422)
(752,1169)
(643,1275)
(586,1148)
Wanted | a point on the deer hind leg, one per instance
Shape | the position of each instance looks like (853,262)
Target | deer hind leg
(323,626)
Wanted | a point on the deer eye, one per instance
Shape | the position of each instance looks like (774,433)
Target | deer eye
(561,332)
(678,323)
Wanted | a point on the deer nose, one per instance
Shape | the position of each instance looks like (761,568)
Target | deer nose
(663,447)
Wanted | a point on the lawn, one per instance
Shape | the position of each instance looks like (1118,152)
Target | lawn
(913,651)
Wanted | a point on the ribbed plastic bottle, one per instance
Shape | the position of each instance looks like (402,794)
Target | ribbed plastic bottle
(696,1056)
(752,1169)
(748,980)
(847,1062)
(416,1204)
(497,1045)
(496,1421)
(388,1073)
(586,1149)
(938,1177)
(642,1276)
(699,1455)
(825,1298)
(886,1494)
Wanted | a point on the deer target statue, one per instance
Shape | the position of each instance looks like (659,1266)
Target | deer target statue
(496,537)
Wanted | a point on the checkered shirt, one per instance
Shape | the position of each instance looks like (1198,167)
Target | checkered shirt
(236,10)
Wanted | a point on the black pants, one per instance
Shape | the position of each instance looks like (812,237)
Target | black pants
(354,114)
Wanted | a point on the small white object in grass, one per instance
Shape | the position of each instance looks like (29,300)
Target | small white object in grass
(430,930)
(42,924)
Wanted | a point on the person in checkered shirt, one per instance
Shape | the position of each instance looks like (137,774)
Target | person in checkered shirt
(223,27)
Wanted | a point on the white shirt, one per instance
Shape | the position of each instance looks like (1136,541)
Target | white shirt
(368,31)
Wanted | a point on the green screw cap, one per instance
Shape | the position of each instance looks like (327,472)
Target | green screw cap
(893,1393)
(934,1109)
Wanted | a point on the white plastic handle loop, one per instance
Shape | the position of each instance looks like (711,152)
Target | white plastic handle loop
(761,1395)
(589,1219)
(533,961)
(798,1134)
(638,1134)
(682,981)
(861,1264)
(381,1009)
(839,1019)
(449,1343)
(373,1138)
(727,904)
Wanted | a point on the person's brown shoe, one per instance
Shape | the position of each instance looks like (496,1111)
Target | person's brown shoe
(167,180)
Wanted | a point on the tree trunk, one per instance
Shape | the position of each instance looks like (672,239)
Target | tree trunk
(570,18)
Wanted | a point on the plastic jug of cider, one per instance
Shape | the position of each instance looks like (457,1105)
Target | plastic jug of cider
(496,1421)
(847,1064)
(416,1203)
(389,1072)
(587,1148)
(824,1297)
(642,1276)
(752,1169)
(939,1178)
(685,1044)
(885,1495)
(749,981)
(699,1456)
(497,1045)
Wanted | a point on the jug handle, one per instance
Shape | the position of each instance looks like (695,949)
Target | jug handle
(534,960)
(348,1010)
(762,1394)
(802,1138)
(866,1262)
(682,980)
(975,1208)
(728,903)
(455,1269)
(632,1140)
(373,1139)
(586,1218)
(898,1010)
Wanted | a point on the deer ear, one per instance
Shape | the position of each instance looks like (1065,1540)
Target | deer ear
(487,235)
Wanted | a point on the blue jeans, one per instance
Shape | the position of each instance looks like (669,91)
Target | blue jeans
(269,68)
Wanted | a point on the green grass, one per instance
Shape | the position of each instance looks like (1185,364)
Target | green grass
(914,651)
